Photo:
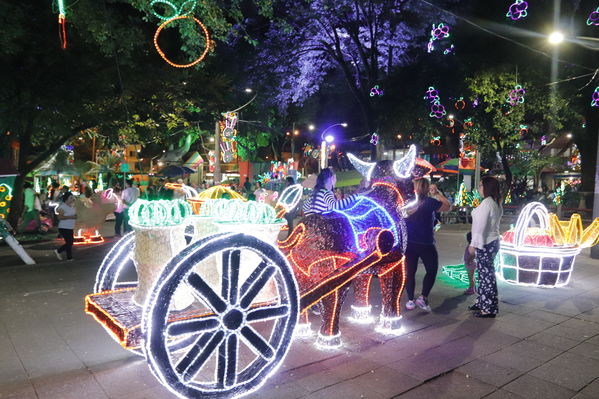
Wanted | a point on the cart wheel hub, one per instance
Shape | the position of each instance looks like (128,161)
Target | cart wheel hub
(233,319)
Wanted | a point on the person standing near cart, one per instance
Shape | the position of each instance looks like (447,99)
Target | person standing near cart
(421,241)
(485,245)
(66,223)
(130,195)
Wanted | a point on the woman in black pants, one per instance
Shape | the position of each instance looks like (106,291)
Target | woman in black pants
(421,241)
(66,223)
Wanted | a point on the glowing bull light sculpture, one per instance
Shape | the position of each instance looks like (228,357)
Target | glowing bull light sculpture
(543,256)
(326,243)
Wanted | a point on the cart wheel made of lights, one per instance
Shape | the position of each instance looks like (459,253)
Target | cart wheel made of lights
(115,261)
(213,340)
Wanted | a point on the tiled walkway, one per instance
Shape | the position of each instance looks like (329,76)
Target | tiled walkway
(543,344)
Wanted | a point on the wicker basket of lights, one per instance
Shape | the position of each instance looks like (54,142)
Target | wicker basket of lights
(543,255)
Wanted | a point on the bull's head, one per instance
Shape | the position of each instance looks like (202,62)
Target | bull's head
(400,172)
(400,169)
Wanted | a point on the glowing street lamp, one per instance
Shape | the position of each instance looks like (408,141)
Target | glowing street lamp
(556,37)
(323,146)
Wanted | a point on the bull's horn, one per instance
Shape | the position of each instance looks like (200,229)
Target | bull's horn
(403,167)
(365,168)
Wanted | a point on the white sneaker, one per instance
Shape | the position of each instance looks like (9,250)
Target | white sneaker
(410,305)
(58,255)
(423,304)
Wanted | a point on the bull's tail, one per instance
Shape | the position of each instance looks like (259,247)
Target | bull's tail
(294,238)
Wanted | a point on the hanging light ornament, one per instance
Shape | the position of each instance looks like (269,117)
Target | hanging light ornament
(516,96)
(62,22)
(197,60)
(593,18)
(517,10)
(595,101)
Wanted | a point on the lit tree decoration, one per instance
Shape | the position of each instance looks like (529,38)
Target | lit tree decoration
(438,32)
(375,91)
(595,101)
(516,96)
(374,139)
(593,18)
(508,197)
(517,10)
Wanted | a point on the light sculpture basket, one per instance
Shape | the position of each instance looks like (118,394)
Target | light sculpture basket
(541,266)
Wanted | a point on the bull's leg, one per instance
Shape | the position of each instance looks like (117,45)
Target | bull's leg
(360,309)
(303,328)
(329,336)
(392,286)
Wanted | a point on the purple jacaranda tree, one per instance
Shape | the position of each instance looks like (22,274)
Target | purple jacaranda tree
(362,40)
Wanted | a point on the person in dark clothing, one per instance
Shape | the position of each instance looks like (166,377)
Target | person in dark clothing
(421,241)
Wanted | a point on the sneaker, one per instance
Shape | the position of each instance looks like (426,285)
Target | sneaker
(422,303)
(410,305)
(70,260)
(470,291)
(58,255)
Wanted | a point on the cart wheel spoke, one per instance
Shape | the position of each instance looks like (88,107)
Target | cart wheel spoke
(267,313)
(230,282)
(259,345)
(193,361)
(192,326)
(227,362)
(255,285)
(206,293)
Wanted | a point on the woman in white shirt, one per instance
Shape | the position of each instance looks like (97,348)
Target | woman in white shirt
(485,244)
(66,223)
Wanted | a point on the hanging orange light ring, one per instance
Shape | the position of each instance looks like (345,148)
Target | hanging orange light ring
(200,58)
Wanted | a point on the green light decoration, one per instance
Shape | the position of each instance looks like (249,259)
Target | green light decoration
(508,197)
(465,198)
(559,195)
(458,272)
(5,198)
(238,211)
(186,8)
(159,213)
(61,9)
(100,182)
(36,184)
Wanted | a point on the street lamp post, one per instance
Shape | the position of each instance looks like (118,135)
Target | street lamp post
(326,139)
(557,38)
(217,171)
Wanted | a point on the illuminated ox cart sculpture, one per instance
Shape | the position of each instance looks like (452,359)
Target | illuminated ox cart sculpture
(213,313)
(543,255)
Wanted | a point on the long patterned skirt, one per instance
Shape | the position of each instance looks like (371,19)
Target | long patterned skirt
(487,284)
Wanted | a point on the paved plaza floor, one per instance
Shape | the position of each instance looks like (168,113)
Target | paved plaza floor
(543,344)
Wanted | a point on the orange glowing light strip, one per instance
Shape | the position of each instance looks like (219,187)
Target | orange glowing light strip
(353,271)
(200,58)
(403,284)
